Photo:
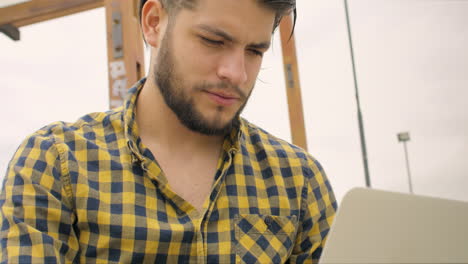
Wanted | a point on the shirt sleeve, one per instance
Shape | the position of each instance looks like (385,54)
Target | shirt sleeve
(318,211)
(36,215)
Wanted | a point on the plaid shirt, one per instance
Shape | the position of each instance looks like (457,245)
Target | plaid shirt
(91,192)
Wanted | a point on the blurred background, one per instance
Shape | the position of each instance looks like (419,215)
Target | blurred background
(412,69)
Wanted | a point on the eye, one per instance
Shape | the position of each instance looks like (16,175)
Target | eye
(212,42)
(256,52)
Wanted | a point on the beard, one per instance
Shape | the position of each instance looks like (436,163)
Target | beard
(173,90)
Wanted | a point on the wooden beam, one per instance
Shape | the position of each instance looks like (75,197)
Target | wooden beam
(293,86)
(124,48)
(41,10)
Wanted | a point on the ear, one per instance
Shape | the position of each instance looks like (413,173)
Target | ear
(153,21)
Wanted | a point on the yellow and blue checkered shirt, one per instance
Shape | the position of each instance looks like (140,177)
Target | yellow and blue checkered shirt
(91,192)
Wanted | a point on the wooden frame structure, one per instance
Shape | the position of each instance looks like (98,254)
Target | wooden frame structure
(125,47)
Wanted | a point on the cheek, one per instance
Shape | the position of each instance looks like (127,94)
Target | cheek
(253,69)
(197,62)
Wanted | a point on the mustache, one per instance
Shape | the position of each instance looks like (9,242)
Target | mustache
(222,86)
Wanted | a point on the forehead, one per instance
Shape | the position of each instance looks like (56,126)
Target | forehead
(238,17)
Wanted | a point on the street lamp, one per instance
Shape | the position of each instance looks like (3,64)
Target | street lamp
(405,137)
(356,90)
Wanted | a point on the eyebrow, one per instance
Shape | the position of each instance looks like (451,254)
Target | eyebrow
(220,33)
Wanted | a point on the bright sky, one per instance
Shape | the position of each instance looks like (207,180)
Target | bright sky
(412,66)
(12,2)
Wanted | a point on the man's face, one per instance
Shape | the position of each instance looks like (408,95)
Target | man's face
(209,59)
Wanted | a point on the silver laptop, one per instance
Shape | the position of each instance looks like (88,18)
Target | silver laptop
(374,226)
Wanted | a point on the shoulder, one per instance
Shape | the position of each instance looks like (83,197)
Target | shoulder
(58,137)
(265,146)
(87,126)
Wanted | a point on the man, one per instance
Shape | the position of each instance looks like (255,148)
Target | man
(175,175)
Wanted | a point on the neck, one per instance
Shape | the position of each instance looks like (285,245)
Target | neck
(159,126)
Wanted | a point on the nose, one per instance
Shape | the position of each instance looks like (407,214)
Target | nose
(232,68)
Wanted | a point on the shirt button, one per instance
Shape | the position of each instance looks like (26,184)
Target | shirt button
(268,221)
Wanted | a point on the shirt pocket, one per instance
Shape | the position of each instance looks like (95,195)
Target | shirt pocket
(264,238)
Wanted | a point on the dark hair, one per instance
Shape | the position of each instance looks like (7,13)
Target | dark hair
(281,8)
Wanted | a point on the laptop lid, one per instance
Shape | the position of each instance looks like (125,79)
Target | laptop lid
(373,226)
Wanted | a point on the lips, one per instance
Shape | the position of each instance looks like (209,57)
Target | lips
(222,98)
(224,95)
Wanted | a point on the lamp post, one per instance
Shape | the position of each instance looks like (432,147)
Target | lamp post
(359,112)
(405,137)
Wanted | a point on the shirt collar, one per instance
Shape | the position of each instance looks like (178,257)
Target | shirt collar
(130,124)
(231,143)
